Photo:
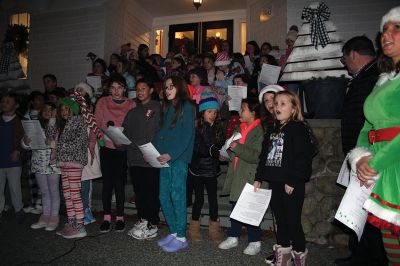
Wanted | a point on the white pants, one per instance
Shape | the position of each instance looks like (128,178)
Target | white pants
(13,177)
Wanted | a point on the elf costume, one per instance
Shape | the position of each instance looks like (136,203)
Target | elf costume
(380,137)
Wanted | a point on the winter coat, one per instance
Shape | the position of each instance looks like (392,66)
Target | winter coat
(72,144)
(208,141)
(248,154)
(353,115)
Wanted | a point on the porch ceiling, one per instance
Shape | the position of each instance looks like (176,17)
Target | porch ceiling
(160,8)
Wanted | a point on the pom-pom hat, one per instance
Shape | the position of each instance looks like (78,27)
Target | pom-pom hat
(222,59)
(392,15)
(208,101)
(269,88)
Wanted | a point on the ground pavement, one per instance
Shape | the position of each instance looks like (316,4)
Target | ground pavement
(20,245)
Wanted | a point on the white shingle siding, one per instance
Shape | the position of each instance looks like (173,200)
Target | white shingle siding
(59,42)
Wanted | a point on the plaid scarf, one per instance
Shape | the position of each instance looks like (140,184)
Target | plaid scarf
(316,18)
(90,119)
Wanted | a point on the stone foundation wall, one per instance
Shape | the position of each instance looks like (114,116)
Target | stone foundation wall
(323,196)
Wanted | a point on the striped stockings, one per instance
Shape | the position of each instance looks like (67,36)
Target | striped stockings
(71,182)
(392,246)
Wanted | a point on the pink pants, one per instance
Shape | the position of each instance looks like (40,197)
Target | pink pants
(71,175)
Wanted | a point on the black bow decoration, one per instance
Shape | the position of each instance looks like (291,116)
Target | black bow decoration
(316,18)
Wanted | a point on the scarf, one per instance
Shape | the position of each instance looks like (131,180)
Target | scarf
(244,130)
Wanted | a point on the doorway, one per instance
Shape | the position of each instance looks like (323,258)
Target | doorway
(193,38)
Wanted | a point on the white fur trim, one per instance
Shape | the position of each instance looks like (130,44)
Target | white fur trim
(270,88)
(392,15)
(356,154)
(382,213)
(85,87)
(222,63)
(298,76)
(387,76)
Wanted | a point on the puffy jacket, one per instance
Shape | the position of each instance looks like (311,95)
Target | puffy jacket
(209,140)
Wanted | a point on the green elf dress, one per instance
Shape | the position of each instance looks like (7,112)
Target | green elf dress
(382,110)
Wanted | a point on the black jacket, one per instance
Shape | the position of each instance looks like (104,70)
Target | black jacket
(353,115)
(286,155)
(209,140)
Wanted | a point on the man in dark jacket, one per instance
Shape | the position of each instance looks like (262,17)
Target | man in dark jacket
(359,59)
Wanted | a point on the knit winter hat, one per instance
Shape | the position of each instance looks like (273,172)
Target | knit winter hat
(269,88)
(202,74)
(208,101)
(222,59)
(292,35)
(392,15)
(74,106)
(84,87)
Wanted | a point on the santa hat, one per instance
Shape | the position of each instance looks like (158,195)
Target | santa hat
(74,106)
(222,59)
(292,35)
(269,88)
(84,87)
(208,101)
(392,15)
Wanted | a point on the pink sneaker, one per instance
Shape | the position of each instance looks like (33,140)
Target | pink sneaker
(67,227)
(74,233)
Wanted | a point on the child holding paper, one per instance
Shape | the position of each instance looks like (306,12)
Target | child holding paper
(140,126)
(285,162)
(232,117)
(204,168)
(242,168)
(46,173)
(111,111)
(175,142)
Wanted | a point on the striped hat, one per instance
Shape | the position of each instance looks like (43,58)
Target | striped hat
(222,59)
(208,101)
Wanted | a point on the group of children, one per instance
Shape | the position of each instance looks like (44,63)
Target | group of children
(188,129)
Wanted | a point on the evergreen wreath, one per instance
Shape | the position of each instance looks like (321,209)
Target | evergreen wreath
(19,35)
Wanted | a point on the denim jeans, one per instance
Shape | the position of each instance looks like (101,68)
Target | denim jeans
(86,191)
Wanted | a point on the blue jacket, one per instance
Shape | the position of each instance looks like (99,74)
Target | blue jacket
(178,141)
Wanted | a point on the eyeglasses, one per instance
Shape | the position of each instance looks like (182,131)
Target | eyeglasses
(169,87)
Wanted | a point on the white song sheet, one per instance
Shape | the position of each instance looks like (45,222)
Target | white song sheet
(34,131)
(237,93)
(350,211)
(115,135)
(269,74)
(95,83)
(150,155)
(344,174)
(247,61)
(251,206)
(223,150)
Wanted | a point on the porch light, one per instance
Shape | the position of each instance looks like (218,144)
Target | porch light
(197,3)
